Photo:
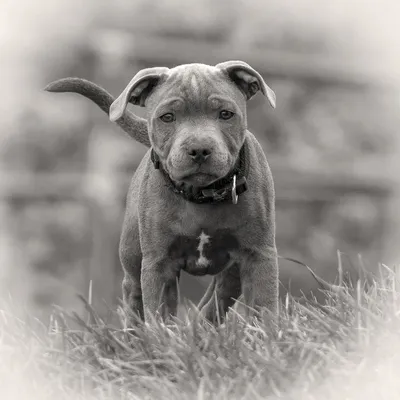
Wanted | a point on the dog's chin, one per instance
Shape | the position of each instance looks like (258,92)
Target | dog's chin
(200,179)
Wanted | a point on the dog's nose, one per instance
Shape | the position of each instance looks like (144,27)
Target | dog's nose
(199,155)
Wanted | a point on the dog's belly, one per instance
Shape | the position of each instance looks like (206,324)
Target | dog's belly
(207,252)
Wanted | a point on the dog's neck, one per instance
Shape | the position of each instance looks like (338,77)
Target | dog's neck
(226,189)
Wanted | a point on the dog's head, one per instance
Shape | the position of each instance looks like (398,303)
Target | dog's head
(196,115)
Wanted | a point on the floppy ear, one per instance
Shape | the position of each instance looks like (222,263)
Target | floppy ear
(248,80)
(137,91)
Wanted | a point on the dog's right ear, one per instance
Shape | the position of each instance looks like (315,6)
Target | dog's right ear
(137,91)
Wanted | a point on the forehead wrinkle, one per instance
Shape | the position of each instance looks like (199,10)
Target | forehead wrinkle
(193,86)
(218,101)
(175,103)
(214,103)
(215,100)
(194,83)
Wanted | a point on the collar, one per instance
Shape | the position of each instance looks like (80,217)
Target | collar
(226,189)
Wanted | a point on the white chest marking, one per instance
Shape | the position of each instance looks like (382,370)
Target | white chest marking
(203,240)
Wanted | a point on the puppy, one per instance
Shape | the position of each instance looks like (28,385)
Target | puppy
(202,199)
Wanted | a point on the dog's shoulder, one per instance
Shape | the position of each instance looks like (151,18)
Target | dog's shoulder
(259,171)
(141,172)
(256,152)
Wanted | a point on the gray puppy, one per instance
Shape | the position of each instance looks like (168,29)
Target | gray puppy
(202,199)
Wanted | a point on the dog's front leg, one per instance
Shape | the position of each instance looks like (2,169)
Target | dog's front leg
(259,278)
(159,281)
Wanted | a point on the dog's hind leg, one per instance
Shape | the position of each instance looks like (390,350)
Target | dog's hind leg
(224,289)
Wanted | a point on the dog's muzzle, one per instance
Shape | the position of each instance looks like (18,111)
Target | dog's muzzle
(227,189)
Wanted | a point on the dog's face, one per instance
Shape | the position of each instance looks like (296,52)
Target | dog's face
(196,116)
(197,121)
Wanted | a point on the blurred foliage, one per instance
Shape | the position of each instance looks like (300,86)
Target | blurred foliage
(54,140)
(55,234)
(253,23)
(315,126)
(205,19)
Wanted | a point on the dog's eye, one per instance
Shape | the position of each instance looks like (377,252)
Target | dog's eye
(225,114)
(168,117)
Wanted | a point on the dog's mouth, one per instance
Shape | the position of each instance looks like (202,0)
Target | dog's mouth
(200,179)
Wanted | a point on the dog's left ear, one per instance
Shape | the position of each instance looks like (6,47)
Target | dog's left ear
(248,80)
(137,91)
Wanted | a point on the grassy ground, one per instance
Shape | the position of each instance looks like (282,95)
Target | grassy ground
(346,349)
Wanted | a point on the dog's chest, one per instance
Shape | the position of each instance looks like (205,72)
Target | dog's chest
(206,252)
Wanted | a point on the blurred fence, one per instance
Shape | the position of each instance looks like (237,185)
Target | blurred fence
(330,144)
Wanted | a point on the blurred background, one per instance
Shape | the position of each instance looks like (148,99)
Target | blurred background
(332,142)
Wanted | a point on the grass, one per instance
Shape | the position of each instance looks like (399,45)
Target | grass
(346,348)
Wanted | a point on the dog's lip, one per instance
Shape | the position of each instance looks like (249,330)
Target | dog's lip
(199,174)
(203,177)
